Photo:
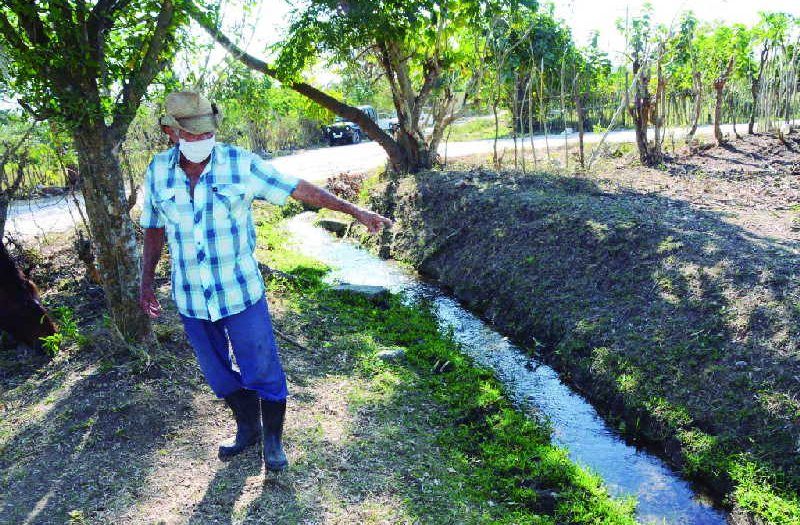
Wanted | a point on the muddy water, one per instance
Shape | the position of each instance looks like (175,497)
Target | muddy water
(663,497)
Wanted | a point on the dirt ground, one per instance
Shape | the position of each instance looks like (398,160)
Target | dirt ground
(97,435)
(669,295)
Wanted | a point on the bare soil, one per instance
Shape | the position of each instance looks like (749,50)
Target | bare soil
(669,295)
(107,434)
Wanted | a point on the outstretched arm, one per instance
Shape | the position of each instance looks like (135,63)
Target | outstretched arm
(320,198)
(153,246)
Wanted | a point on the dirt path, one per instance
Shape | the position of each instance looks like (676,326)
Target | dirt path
(84,442)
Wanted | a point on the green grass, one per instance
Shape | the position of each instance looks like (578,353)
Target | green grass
(634,309)
(508,467)
(480,128)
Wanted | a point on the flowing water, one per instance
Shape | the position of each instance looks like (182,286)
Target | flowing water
(663,497)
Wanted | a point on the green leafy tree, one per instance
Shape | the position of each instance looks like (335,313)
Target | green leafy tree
(268,115)
(768,36)
(87,66)
(430,52)
(528,51)
(641,49)
(719,47)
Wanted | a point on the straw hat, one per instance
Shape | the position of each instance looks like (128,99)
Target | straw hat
(190,111)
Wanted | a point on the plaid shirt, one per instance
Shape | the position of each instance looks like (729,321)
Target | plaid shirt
(211,236)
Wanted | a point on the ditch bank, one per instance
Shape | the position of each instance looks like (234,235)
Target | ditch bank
(681,327)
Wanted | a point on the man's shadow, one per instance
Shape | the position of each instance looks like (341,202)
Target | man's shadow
(230,483)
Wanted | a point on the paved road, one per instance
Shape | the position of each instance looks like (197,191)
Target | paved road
(31,218)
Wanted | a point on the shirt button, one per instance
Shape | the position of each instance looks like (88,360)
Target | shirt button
(207,293)
(201,255)
(197,218)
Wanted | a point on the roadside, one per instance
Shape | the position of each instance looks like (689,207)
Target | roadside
(105,434)
(36,217)
(669,297)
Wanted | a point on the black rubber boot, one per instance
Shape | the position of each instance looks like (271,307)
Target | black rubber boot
(272,414)
(245,407)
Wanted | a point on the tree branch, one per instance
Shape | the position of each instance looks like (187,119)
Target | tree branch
(13,149)
(108,8)
(11,35)
(37,115)
(150,65)
(403,112)
(354,114)
(432,73)
(30,22)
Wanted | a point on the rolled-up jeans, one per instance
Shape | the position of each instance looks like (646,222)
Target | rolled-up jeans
(248,334)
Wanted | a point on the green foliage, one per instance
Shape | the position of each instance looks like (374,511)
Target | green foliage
(364,83)
(422,27)
(73,61)
(262,115)
(67,332)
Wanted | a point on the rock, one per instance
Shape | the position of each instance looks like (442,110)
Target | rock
(363,289)
(391,354)
(740,516)
(335,226)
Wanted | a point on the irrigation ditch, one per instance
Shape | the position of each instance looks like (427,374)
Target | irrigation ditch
(678,323)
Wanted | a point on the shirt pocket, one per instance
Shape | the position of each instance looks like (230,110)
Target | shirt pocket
(166,203)
(230,201)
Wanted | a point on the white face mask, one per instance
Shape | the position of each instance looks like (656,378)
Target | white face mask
(197,151)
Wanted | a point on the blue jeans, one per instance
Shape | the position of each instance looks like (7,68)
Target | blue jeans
(249,335)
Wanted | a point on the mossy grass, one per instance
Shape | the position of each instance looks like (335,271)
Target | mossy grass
(514,474)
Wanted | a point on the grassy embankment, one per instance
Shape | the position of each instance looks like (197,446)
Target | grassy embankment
(97,435)
(504,459)
(681,326)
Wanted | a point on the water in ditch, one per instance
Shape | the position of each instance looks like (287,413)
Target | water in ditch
(663,497)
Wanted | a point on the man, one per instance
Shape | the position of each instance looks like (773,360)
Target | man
(197,195)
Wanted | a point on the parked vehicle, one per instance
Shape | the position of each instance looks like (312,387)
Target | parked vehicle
(388,122)
(343,131)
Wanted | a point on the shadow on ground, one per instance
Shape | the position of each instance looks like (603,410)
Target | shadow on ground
(669,317)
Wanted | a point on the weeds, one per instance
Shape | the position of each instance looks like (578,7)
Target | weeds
(67,332)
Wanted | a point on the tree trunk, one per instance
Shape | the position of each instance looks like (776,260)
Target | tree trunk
(698,105)
(417,154)
(580,111)
(111,229)
(754,87)
(655,154)
(4,202)
(641,110)
(719,86)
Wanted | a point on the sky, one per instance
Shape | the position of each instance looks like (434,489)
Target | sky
(585,16)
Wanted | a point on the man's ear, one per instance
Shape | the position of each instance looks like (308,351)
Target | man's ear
(173,135)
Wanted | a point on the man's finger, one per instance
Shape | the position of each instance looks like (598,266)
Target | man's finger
(153,311)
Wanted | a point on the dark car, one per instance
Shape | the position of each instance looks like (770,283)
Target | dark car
(343,131)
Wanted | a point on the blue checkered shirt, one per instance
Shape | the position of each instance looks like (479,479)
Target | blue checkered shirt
(211,236)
